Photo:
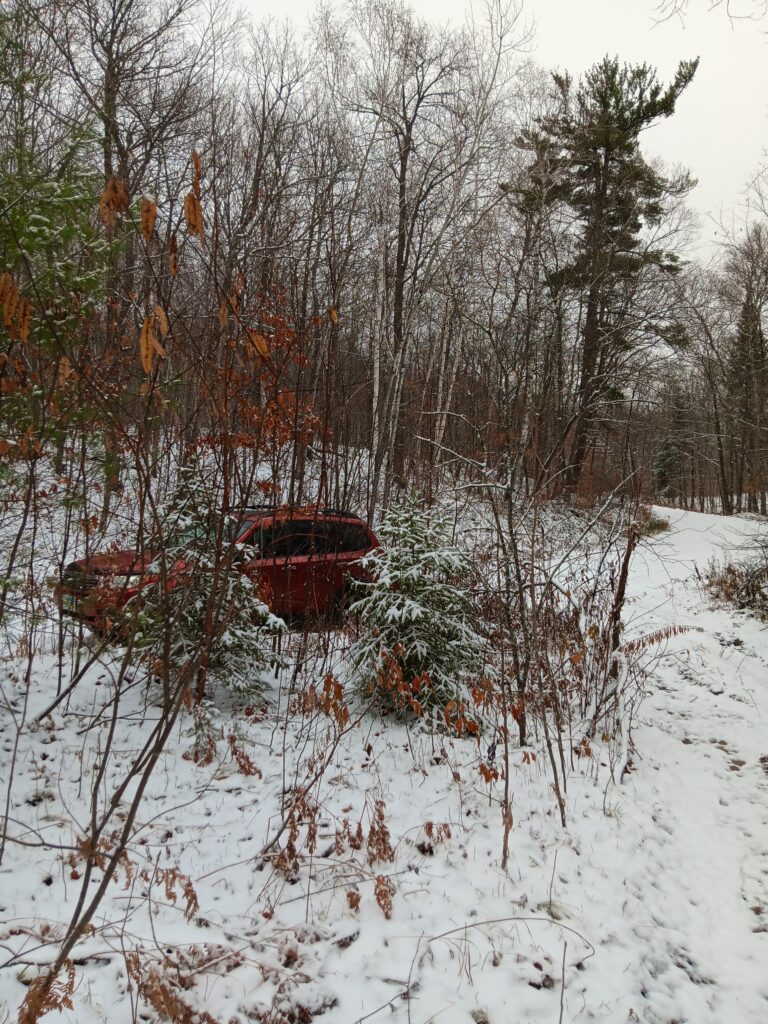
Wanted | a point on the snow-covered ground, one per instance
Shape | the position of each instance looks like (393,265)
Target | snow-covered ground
(651,905)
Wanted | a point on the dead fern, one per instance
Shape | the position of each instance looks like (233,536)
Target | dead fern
(433,835)
(383,891)
(245,765)
(303,811)
(642,643)
(46,993)
(345,837)
(98,856)
(172,880)
(379,843)
(159,990)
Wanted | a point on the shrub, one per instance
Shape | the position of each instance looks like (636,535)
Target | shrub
(203,616)
(743,583)
(649,524)
(420,644)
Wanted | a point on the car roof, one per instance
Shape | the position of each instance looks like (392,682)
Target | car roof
(283,512)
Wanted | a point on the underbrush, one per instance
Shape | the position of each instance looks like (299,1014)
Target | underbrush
(218,849)
(649,524)
(743,583)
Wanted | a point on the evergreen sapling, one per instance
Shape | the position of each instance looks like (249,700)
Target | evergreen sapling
(419,648)
(203,614)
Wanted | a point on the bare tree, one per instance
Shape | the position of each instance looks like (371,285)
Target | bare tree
(736,10)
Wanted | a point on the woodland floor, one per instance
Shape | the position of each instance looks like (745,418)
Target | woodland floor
(651,905)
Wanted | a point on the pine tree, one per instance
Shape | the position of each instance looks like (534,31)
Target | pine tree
(615,194)
(420,646)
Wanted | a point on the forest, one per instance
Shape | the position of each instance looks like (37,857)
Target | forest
(452,258)
(395,273)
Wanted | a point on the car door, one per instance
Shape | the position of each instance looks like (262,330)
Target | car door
(314,575)
(283,564)
(322,575)
(345,544)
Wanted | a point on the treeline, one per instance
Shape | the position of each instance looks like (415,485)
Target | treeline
(380,237)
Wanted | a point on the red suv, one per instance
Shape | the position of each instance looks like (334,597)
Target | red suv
(302,559)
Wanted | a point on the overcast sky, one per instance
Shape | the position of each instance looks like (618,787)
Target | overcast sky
(720,129)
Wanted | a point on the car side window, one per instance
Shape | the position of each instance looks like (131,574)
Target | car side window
(350,537)
(324,539)
(287,539)
(298,537)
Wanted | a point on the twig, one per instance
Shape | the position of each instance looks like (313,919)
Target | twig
(483,924)
(562,986)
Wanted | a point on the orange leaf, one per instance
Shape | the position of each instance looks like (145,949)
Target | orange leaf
(148,215)
(333,315)
(173,256)
(193,214)
(114,201)
(9,297)
(258,341)
(162,321)
(149,346)
(65,371)
(25,309)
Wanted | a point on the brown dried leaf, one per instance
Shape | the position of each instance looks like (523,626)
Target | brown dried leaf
(23,317)
(333,315)
(162,321)
(258,341)
(193,214)
(114,201)
(65,371)
(235,294)
(148,215)
(147,343)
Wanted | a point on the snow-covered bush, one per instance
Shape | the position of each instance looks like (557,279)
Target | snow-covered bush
(742,582)
(420,647)
(203,616)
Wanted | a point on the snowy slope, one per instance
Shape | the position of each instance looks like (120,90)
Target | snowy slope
(652,905)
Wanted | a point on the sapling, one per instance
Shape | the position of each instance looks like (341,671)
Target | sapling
(202,611)
(420,645)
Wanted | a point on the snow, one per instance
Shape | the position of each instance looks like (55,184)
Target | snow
(651,905)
